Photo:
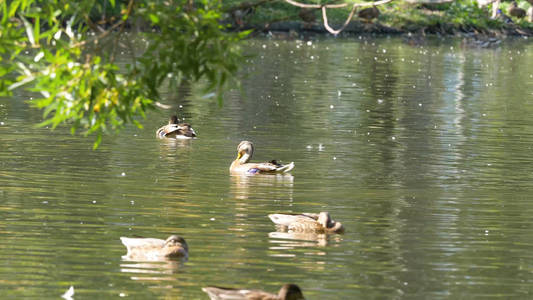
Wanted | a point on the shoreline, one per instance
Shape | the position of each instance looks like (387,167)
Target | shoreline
(357,27)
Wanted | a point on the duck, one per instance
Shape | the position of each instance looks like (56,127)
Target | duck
(287,292)
(516,11)
(241,13)
(152,249)
(175,129)
(308,222)
(241,165)
(307,15)
(369,13)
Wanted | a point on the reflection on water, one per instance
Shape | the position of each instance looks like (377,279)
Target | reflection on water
(243,184)
(169,146)
(300,239)
(152,271)
(422,151)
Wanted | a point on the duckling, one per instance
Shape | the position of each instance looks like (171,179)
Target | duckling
(241,165)
(516,11)
(369,13)
(287,292)
(320,223)
(175,129)
(155,249)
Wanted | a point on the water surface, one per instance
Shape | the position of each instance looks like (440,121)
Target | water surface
(422,152)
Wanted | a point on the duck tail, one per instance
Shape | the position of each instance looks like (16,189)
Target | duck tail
(286,168)
(281,219)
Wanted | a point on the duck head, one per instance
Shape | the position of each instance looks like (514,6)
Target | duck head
(325,220)
(173,120)
(176,241)
(245,151)
(290,292)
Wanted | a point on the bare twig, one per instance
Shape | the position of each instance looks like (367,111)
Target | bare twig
(161,105)
(326,6)
(331,30)
(101,36)
(108,31)
(317,5)
(128,13)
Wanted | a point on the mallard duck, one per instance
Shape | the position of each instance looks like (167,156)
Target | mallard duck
(155,249)
(516,11)
(320,223)
(287,292)
(368,13)
(241,165)
(307,14)
(175,129)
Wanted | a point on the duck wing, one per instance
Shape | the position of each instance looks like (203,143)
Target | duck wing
(270,167)
(289,219)
(221,293)
(167,130)
(176,130)
(185,129)
(141,243)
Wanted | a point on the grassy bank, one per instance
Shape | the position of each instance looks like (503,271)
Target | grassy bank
(453,18)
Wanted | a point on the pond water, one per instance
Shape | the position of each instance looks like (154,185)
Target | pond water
(423,152)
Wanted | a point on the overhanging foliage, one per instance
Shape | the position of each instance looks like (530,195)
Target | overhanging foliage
(66,51)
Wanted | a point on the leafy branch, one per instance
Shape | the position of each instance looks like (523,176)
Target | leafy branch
(70,65)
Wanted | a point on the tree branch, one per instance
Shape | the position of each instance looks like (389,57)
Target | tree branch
(294,3)
(128,13)
(326,6)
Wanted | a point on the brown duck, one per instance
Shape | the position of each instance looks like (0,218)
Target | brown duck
(155,249)
(175,129)
(287,292)
(308,222)
(516,11)
(368,13)
(307,14)
(241,165)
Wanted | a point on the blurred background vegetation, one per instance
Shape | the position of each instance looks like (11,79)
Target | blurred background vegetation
(437,16)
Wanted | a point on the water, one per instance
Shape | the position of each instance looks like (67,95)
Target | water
(422,152)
